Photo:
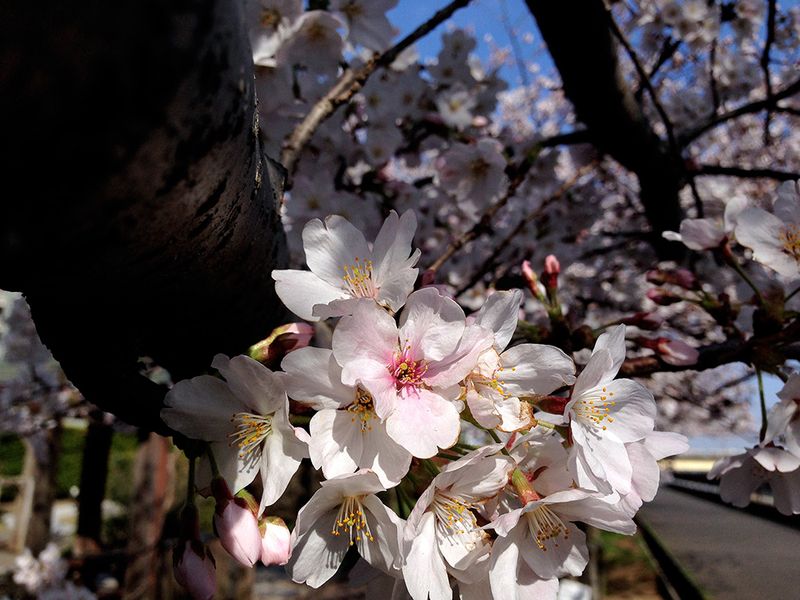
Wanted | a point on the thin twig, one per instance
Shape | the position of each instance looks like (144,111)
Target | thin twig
(752,107)
(517,175)
(644,80)
(499,248)
(351,82)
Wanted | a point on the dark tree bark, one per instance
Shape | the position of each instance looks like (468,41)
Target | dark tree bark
(580,41)
(145,221)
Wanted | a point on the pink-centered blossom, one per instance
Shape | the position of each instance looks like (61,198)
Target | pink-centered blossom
(346,433)
(412,372)
(345,269)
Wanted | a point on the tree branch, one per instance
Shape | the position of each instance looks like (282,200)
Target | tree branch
(604,102)
(747,109)
(747,173)
(351,82)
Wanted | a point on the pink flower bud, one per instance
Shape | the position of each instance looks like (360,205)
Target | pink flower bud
(551,270)
(236,525)
(280,342)
(275,544)
(644,320)
(551,265)
(533,282)
(194,569)
(676,352)
(662,297)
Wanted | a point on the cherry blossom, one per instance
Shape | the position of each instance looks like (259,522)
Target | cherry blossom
(345,269)
(783,421)
(346,433)
(604,415)
(442,534)
(412,371)
(774,237)
(743,474)
(245,417)
(345,512)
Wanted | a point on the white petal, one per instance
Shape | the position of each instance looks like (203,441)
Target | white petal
(530,369)
(300,291)
(253,383)
(500,315)
(332,246)
(431,322)
(317,554)
(423,422)
(613,341)
(283,453)
(314,378)
(335,442)
(425,572)
(201,408)
(383,552)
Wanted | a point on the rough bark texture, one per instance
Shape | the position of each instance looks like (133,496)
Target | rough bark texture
(148,222)
(581,45)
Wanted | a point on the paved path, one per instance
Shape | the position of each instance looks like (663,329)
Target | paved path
(731,554)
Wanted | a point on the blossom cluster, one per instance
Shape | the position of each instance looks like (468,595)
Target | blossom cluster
(773,239)
(455,462)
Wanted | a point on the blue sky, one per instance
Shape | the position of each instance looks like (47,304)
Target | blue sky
(483,17)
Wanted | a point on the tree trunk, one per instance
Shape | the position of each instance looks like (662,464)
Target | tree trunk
(41,466)
(94,474)
(149,223)
(154,474)
(579,40)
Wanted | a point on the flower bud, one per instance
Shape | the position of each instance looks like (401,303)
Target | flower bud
(671,351)
(676,352)
(275,543)
(194,569)
(533,282)
(280,342)
(236,525)
(681,277)
(644,320)
(552,268)
(662,297)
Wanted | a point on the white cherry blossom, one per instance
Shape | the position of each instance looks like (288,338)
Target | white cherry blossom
(774,237)
(494,387)
(442,534)
(604,415)
(743,474)
(783,421)
(344,268)
(245,418)
(345,512)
